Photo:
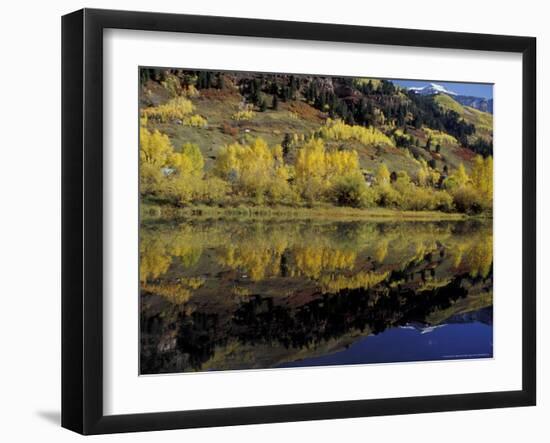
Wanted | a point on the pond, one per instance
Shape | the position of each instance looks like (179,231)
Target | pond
(254,294)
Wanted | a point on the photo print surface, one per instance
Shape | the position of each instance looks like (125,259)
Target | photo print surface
(303,220)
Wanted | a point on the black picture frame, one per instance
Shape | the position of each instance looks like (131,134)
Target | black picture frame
(82,221)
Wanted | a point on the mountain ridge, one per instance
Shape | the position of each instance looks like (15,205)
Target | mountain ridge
(431,89)
(480,103)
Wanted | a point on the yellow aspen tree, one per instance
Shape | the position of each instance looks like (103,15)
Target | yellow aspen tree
(460,175)
(422,176)
(154,148)
(383,174)
(482,177)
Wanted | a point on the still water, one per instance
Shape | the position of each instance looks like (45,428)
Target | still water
(241,294)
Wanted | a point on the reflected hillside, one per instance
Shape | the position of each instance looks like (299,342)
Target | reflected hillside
(244,294)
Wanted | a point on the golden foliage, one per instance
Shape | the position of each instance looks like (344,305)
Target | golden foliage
(175,292)
(176,108)
(185,189)
(338,130)
(482,177)
(311,261)
(440,138)
(244,114)
(381,250)
(195,121)
(365,279)
(316,168)
(258,172)
(154,258)
(189,161)
(157,253)
(257,261)
(164,171)
(427,176)
(382,174)
(472,194)
(254,170)
(352,190)
(154,147)
(350,256)
(479,258)
(474,255)
(172,84)
(457,179)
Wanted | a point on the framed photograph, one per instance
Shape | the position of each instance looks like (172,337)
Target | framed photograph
(269,221)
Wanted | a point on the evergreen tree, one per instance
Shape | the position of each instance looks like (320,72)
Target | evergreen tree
(275,103)
(370,87)
(286,144)
(144,76)
(221,81)
(208,79)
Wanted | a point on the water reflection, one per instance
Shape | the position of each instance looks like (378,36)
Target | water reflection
(239,294)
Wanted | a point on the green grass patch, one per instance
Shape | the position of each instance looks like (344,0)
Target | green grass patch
(448,104)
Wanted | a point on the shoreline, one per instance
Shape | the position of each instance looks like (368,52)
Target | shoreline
(153,213)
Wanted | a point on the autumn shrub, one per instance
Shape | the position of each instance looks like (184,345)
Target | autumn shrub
(417,199)
(317,168)
(439,138)
(457,179)
(150,178)
(279,189)
(338,130)
(155,152)
(154,147)
(255,170)
(426,199)
(482,178)
(195,121)
(404,194)
(229,129)
(176,108)
(427,176)
(188,162)
(467,199)
(172,84)
(244,114)
(211,191)
(351,190)
(443,201)
(180,190)
(388,197)
(472,194)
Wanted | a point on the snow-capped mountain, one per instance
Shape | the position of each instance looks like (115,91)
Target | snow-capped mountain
(431,89)
(482,104)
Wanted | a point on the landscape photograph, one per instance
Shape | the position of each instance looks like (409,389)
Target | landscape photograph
(295,220)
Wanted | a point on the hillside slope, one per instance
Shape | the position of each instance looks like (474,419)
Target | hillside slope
(225,139)
(303,106)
